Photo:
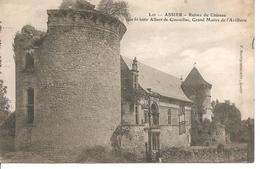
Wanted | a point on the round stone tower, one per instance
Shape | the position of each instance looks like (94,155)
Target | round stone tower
(77,93)
(199,91)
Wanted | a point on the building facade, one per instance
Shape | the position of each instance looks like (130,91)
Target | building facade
(155,110)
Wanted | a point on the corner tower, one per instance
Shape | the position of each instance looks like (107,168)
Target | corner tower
(199,91)
(77,89)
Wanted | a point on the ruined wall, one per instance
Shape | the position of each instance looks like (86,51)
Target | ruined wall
(219,134)
(134,141)
(170,137)
(24,79)
(129,114)
(77,85)
(206,93)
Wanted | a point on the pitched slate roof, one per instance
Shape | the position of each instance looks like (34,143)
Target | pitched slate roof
(159,82)
(194,78)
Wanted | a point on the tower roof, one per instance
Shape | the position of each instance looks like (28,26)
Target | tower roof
(194,78)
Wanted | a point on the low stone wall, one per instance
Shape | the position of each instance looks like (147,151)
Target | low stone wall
(228,153)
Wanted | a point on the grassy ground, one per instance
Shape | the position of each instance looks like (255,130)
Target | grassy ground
(22,157)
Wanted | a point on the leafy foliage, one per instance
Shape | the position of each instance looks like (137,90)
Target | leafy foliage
(4,106)
(230,116)
(246,131)
(4,102)
(28,38)
(118,9)
(225,114)
(202,132)
(76,5)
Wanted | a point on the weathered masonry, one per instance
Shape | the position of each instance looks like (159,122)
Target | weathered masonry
(68,89)
(155,111)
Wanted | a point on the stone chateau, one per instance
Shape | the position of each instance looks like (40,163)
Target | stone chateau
(75,91)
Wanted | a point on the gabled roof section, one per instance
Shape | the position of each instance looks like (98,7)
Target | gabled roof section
(159,82)
(194,78)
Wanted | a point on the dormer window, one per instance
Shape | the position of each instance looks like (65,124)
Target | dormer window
(29,61)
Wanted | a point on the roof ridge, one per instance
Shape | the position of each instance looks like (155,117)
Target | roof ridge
(153,68)
(163,83)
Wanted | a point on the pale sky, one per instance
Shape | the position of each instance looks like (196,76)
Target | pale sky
(172,47)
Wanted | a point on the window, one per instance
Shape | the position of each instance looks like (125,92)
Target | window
(182,128)
(169,116)
(155,114)
(136,115)
(146,117)
(30,105)
(29,62)
(131,107)
(122,109)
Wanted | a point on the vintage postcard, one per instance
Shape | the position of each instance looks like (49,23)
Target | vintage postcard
(126,81)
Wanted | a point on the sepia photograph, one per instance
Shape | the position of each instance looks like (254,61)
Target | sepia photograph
(124,81)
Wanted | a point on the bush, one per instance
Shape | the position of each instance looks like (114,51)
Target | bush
(76,5)
(118,9)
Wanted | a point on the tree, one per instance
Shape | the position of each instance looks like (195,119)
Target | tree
(28,38)
(4,102)
(229,116)
(117,9)
(202,132)
(76,5)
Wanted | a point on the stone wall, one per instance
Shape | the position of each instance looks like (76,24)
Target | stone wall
(164,114)
(175,109)
(219,134)
(134,141)
(170,137)
(24,80)
(76,84)
(207,104)
(230,153)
